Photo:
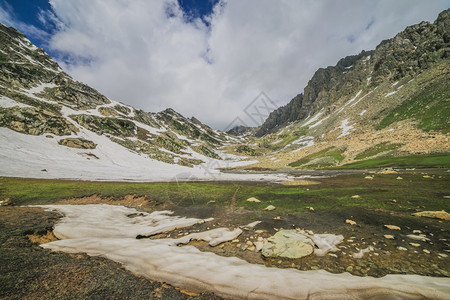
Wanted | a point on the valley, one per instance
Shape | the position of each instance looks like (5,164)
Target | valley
(99,199)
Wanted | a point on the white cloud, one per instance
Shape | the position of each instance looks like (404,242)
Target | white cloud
(133,52)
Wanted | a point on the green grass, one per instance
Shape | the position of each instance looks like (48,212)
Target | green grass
(333,193)
(412,161)
(430,107)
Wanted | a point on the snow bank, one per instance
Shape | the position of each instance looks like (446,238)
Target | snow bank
(109,231)
(23,155)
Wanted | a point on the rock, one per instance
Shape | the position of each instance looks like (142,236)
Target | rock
(356,196)
(387,171)
(78,143)
(417,237)
(402,248)
(415,244)
(270,207)
(417,231)
(399,178)
(253,199)
(368,177)
(389,236)
(392,227)
(443,255)
(5,202)
(426,251)
(251,248)
(289,244)
(427,176)
(433,214)
(351,222)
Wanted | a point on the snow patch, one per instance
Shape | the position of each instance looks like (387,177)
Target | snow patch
(313,119)
(349,102)
(390,94)
(318,123)
(6,102)
(345,128)
(110,231)
(303,142)
(362,112)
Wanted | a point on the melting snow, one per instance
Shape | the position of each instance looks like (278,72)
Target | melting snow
(345,128)
(110,231)
(304,142)
(8,102)
(23,155)
(390,94)
(313,119)
(349,102)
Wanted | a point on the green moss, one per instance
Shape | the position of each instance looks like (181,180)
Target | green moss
(332,193)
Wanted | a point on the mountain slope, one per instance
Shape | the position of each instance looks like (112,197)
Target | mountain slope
(76,123)
(390,102)
(409,53)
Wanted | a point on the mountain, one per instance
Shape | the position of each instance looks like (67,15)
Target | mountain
(409,53)
(392,100)
(38,99)
(386,107)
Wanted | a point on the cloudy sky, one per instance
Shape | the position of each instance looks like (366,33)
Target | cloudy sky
(207,59)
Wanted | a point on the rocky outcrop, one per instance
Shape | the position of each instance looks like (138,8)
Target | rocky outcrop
(78,143)
(35,121)
(76,95)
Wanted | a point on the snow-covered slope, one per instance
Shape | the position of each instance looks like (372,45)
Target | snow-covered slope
(52,126)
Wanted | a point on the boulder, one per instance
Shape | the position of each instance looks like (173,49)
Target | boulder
(288,244)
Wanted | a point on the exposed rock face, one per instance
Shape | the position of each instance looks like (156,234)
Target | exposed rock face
(289,244)
(409,53)
(35,121)
(78,143)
